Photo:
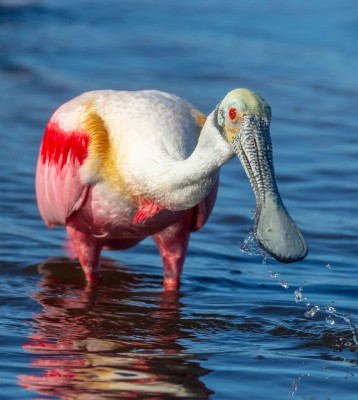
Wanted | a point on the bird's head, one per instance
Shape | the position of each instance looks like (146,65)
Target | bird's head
(243,119)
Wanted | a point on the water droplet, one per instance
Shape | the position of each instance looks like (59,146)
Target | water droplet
(305,283)
(284,284)
(251,247)
(312,312)
(330,320)
(273,275)
(347,317)
(328,266)
(331,310)
(293,388)
(298,295)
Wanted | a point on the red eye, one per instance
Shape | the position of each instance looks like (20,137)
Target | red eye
(232,113)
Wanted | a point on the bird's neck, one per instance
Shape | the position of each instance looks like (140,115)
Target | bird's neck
(189,181)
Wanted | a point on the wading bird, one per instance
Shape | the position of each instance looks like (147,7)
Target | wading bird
(116,167)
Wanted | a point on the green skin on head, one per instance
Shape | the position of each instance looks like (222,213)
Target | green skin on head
(252,103)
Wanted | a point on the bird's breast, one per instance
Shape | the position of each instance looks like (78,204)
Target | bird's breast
(110,216)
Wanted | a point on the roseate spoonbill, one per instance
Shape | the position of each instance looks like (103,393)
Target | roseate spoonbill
(117,166)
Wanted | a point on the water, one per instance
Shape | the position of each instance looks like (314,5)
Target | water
(242,326)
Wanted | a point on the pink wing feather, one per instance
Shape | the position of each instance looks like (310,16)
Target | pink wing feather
(59,190)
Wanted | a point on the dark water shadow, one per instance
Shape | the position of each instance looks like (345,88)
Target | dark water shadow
(122,339)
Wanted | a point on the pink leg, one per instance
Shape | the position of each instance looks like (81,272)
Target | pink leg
(172,243)
(88,250)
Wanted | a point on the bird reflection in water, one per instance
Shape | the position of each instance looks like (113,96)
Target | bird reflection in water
(118,340)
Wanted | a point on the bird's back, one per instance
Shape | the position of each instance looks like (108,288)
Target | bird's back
(140,118)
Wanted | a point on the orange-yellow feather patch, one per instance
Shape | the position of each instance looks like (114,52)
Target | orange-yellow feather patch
(200,117)
(102,159)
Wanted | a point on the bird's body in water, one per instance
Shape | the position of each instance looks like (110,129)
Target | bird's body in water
(116,167)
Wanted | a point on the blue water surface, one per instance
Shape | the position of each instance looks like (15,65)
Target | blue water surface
(242,326)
